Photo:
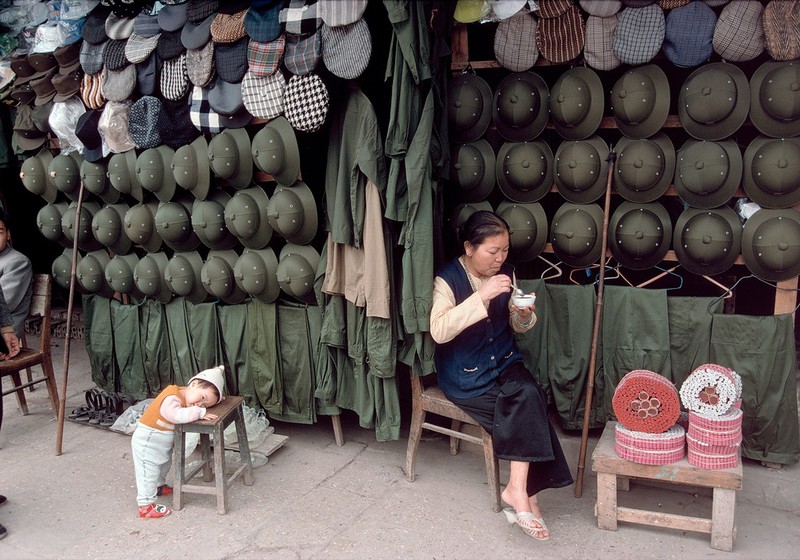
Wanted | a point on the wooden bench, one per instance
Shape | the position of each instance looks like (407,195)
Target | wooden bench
(725,482)
(229,410)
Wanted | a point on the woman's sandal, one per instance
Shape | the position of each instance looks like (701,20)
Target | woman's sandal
(526,520)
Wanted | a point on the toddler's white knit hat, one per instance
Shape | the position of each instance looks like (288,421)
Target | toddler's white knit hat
(213,375)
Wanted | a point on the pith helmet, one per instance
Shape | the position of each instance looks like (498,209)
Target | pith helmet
(119,274)
(582,169)
(639,234)
(520,106)
(95,179)
(644,168)
(707,242)
(771,244)
(62,269)
(297,270)
(35,177)
(473,170)
(275,151)
(208,221)
(577,102)
(576,233)
(90,273)
(708,173)
(771,172)
(218,278)
(775,99)
(524,170)
(256,272)
(140,226)
(640,101)
(65,172)
(183,276)
(246,217)
(149,276)
(527,229)
(174,224)
(108,228)
(292,212)
(122,174)
(154,171)
(83,228)
(48,220)
(469,102)
(713,101)
(230,157)
(190,168)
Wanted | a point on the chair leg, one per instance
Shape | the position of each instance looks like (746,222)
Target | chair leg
(24,343)
(414,434)
(455,443)
(492,470)
(21,401)
(52,388)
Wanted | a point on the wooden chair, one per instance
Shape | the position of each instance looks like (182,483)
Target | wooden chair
(29,357)
(428,397)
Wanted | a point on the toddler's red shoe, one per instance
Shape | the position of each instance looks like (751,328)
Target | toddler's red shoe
(153,511)
(164,490)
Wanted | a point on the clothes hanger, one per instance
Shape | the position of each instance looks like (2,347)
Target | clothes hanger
(727,292)
(664,272)
(552,266)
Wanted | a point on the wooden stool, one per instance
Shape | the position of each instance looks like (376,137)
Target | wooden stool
(725,482)
(229,410)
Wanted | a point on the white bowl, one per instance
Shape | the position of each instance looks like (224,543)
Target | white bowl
(525,300)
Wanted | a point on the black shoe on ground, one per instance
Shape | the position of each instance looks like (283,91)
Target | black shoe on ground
(2,499)
(3,532)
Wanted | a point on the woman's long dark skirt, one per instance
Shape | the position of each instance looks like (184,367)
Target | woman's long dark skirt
(514,412)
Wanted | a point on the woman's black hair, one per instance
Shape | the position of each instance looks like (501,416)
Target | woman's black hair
(481,225)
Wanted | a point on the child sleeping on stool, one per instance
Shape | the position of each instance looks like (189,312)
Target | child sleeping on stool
(154,436)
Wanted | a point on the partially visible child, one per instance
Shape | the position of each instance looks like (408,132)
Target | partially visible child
(155,435)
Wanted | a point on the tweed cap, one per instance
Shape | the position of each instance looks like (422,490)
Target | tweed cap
(208,221)
(119,85)
(713,101)
(138,48)
(230,158)
(263,24)
(190,168)
(206,120)
(175,124)
(200,65)
(469,102)
(707,174)
(561,39)
(35,178)
(342,12)
(739,33)
(581,169)
(306,101)
(230,60)
(263,96)
(140,226)
(118,27)
(108,228)
(770,244)
(146,24)
(639,34)
(576,233)
(601,8)
(82,229)
(94,178)
(263,59)
(524,170)
(297,269)
(92,91)
(527,225)
(771,170)
(143,122)
(472,170)
(302,54)
(639,235)
(292,213)
(504,9)
(174,79)
(520,106)
(197,35)
(644,168)
(515,42)
(31,126)
(688,35)
(346,49)
(48,221)
(275,151)
(153,169)
(114,57)
(300,17)
(65,172)
(91,57)
(640,101)
(246,217)
(227,28)
(218,279)
(183,276)
(170,45)
(148,274)
(122,175)
(90,273)
(94,28)
(577,102)
(255,272)
(198,10)
(707,242)
(597,52)
(174,224)
(172,17)
(781,33)
(86,129)
(775,99)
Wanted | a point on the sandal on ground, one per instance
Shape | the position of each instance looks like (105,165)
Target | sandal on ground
(80,414)
(153,511)
(528,523)
(164,490)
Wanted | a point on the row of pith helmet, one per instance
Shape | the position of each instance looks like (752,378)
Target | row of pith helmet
(706,241)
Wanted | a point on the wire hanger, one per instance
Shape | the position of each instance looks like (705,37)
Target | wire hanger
(553,266)
(664,272)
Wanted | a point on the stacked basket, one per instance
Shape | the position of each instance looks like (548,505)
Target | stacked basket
(712,395)
(647,407)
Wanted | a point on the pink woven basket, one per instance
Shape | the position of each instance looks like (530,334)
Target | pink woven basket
(650,449)
(710,461)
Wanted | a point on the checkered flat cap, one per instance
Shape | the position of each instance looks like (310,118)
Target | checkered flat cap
(198,10)
(515,42)
(739,33)
(114,55)
(639,34)
(174,80)
(91,57)
(341,12)
(264,58)
(561,39)
(227,28)
(346,49)
(688,33)
(306,101)
(263,96)
(599,36)
(230,60)
(300,17)
(302,54)
(138,48)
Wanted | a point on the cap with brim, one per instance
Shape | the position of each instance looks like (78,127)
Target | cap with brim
(122,175)
(256,272)
(200,65)
(140,226)
(44,88)
(174,79)
(227,28)
(576,233)
(781,39)
(644,168)
(771,244)
(94,178)
(640,101)
(114,57)
(197,35)
(524,170)
(198,10)
(67,84)
(707,174)
(301,55)
(119,274)
(306,102)
(263,24)
(230,158)
(208,221)
(346,49)
(143,122)
(190,168)
(336,12)
(707,242)
(65,172)
(153,168)
(147,75)
(515,42)
(92,91)
(206,120)
(35,177)
(292,213)
(264,59)
(527,224)
(175,123)
(145,24)
(138,48)
(82,230)
(714,101)
(577,102)
(94,28)
(91,57)
(218,278)
(23,71)
(48,221)
(118,27)
(581,169)
(639,234)
(601,8)
(230,60)
(639,34)
(597,51)
(775,98)
(174,224)
(90,274)
(62,269)
(467,11)
(225,98)
(473,170)
(300,17)
(108,228)
(246,217)
(262,96)
(297,268)
(739,33)
(149,277)
(469,103)
(23,94)
(771,171)
(29,135)
(87,132)
(561,39)
(689,32)
(169,45)
(520,106)
(119,85)
(504,9)
(172,17)
(183,276)
(275,151)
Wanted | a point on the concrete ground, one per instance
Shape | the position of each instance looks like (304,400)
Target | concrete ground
(316,500)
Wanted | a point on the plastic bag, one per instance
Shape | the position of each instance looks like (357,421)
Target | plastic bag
(256,424)
(127,421)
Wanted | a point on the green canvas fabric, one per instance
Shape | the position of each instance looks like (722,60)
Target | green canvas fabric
(100,341)
(127,349)
(154,345)
(205,336)
(689,334)
(635,336)
(569,339)
(235,339)
(314,316)
(296,364)
(533,344)
(263,344)
(762,350)
(193,338)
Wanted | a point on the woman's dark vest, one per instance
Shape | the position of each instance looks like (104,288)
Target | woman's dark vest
(468,365)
